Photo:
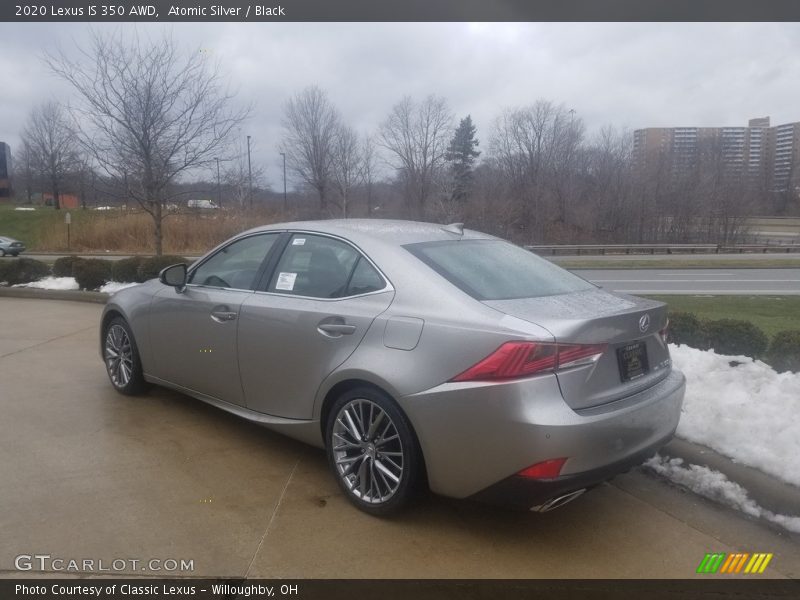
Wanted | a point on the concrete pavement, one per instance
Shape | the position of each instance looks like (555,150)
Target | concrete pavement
(88,473)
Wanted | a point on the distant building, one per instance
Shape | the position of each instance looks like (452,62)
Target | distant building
(5,170)
(755,151)
(64,200)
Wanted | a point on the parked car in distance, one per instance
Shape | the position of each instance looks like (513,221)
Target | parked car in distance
(414,353)
(203,204)
(11,246)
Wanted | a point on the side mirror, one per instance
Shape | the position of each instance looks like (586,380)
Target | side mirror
(175,276)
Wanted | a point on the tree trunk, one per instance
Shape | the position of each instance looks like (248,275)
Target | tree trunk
(56,199)
(159,236)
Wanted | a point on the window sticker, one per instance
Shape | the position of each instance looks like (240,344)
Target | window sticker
(298,241)
(285,281)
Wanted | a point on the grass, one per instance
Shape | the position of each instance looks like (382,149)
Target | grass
(679,263)
(28,226)
(126,231)
(771,313)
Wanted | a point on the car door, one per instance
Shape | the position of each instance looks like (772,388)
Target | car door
(194,332)
(307,318)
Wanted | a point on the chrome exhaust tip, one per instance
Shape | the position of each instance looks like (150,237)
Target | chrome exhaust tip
(557,502)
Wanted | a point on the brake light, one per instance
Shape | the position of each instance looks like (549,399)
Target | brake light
(664,332)
(513,360)
(547,469)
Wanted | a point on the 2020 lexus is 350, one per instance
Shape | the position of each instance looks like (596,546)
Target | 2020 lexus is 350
(414,353)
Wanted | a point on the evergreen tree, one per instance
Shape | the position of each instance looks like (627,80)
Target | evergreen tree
(461,155)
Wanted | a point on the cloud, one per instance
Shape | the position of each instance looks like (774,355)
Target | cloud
(630,75)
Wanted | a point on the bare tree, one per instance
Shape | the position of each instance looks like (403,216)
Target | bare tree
(368,169)
(148,114)
(535,146)
(417,137)
(237,174)
(346,164)
(23,171)
(50,146)
(310,123)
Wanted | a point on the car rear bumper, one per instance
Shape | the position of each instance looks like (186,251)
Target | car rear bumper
(476,436)
(524,493)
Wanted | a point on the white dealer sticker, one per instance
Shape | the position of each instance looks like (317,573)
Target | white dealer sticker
(285,281)
(298,241)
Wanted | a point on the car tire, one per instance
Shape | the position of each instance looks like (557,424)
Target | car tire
(121,357)
(2,252)
(373,451)
(15,254)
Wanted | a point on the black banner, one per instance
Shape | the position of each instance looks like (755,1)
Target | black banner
(401,10)
(427,589)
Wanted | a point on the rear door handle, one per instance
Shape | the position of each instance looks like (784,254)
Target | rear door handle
(222,313)
(336,329)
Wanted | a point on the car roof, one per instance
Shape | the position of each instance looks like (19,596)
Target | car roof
(384,231)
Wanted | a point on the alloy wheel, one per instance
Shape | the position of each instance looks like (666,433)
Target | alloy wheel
(119,355)
(367,451)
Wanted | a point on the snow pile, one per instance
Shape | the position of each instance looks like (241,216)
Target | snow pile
(715,486)
(52,283)
(69,283)
(114,286)
(749,412)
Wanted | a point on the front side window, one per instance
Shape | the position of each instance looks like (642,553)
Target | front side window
(496,270)
(236,265)
(323,267)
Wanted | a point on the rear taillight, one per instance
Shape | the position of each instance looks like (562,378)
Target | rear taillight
(513,360)
(664,332)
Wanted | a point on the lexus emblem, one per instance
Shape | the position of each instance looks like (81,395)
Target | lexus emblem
(644,323)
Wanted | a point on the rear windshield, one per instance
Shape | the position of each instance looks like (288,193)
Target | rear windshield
(496,270)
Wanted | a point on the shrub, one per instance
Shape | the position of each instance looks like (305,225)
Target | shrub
(686,328)
(65,266)
(23,270)
(127,269)
(784,351)
(150,267)
(729,336)
(92,273)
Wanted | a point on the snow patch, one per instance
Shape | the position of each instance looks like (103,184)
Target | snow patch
(52,283)
(114,286)
(748,412)
(715,486)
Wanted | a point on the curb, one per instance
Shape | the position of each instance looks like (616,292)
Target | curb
(71,295)
(768,491)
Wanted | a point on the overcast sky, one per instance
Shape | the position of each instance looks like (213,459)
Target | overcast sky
(629,75)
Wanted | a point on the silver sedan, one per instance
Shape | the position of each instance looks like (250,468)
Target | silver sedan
(414,353)
(10,246)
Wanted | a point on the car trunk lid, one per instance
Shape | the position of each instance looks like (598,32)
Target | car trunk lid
(636,357)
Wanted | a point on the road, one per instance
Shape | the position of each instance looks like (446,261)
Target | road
(755,258)
(696,281)
(88,473)
(716,281)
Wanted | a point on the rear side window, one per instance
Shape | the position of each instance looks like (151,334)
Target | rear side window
(496,270)
(323,267)
(365,279)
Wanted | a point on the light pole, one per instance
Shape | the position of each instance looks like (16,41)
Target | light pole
(219,186)
(285,204)
(249,174)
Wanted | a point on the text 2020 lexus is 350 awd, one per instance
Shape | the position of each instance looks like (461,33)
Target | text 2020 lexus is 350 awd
(414,353)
